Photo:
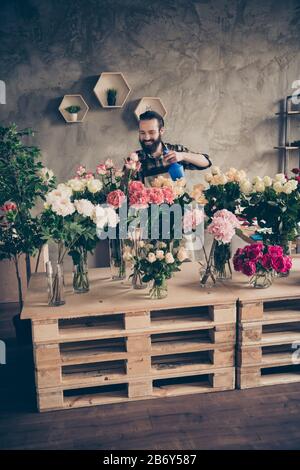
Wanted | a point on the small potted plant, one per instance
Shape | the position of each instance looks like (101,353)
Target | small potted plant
(73,110)
(111,96)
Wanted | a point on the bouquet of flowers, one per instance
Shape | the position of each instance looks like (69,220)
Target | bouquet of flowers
(272,203)
(260,262)
(158,260)
(222,228)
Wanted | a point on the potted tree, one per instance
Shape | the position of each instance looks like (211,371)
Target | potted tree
(73,110)
(23,179)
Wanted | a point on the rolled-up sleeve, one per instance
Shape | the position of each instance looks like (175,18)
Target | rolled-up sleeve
(191,166)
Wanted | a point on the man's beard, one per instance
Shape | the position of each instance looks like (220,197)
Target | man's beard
(151,148)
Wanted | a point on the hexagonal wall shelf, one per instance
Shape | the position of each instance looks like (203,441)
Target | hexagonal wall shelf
(150,104)
(112,80)
(73,100)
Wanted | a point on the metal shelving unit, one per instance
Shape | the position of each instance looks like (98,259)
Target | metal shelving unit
(287,113)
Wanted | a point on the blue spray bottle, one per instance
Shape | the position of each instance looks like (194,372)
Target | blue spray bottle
(175,170)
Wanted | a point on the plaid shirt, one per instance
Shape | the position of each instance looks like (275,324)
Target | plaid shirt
(152,166)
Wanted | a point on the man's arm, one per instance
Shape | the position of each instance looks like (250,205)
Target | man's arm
(190,160)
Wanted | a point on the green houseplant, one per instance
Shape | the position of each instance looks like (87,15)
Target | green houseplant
(73,110)
(23,180)
(111,96)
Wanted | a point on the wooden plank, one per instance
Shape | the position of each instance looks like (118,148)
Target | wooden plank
(136,320)
(45,330)
(223,313)
(139,366)
(250,311)
(50,400)
(140,388)
(136,344)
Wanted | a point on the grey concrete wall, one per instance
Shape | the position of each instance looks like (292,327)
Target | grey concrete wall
(221,68)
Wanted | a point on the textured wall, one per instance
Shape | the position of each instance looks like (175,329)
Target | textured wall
(220,67)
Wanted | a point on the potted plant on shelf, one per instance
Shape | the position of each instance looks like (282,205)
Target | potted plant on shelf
(23,180)
(73,111)
(111,96)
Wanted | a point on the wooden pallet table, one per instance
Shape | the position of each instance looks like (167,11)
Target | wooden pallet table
(114,344)
(269,332)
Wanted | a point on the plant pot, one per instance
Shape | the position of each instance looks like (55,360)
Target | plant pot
(73,117)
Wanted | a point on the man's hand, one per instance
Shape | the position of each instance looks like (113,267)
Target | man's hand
(173,157)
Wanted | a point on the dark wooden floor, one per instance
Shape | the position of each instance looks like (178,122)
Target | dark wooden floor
(263,418)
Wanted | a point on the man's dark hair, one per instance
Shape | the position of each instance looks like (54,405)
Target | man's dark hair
(147,115)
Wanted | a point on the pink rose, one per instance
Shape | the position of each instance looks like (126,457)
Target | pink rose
(192,219)
(169,194)
(80,171)
(135,186)
(156,195)
(288,263)
(89,175)
(249,268)
(116,198)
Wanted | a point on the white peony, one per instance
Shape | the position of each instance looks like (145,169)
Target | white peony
(94,185)
(63,206)
(169,258)
(159,254)
(112,217)
(151,257)
(84,207)
(267,181)
(77,185)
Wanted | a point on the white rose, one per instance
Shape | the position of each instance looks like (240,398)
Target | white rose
(169,258)
(256,179)
(159,254)
(94,186)
(46,174)
(119,173)
(246,186)
(109,163)
(287,188)
(215,170)
(259,187)
(277,186)
(267,181)
(134,157)
(99,216)
(294,184)
(280,177)
(84,207)
(112,217)
(77,185)
(240,175)
(230,175)
(181,255)
(208,177)
(151,257)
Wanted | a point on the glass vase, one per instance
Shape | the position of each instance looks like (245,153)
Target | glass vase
(261,280)
(117,262)
(222,267)
(55,284)
(159,289)
(136,280)
(80,274)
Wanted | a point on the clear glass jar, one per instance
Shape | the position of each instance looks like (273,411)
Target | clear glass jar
(80,274)
(55,284)
(159,289)
(261,280)
(116,256)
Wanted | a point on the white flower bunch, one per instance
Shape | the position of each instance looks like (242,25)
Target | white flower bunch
(105,216)
(259,184)
(59,200)
(216,177)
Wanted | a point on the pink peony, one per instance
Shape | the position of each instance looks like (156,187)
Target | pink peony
(275,251)
(249,268)
(169,194)
(9,206)
(266,261)
(192,219)
(135,186)
(116,198)
(288,263)
(254,251)
(155,195)
(139,199)
(222,230)
(227,215)
(278,264)
(101,169)
(238,263)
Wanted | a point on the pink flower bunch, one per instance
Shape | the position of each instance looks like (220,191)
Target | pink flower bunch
(192,219)
(223,226)
(81,170)
(116,198)
(138,195)
(132,162)
(258,257)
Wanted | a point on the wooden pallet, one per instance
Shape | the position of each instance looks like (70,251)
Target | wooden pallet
(97,352)
(268,342)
